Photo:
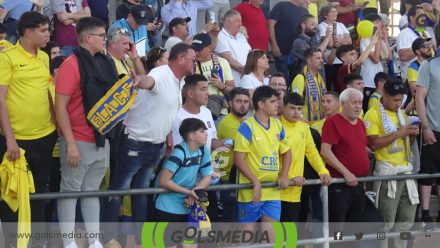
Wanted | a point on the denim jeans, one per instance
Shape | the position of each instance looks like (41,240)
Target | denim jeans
(134,170)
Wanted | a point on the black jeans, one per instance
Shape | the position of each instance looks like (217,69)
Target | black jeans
(39,158)
(346,203)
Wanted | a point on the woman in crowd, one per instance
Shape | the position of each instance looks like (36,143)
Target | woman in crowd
(341,36)
(157,56)
(255,71)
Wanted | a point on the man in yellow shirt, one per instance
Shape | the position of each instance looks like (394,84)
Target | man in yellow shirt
(26,119)
(310,85)
(390,135)
(227,130)
(260,146)
(379,79)
(301,144)
(330,105)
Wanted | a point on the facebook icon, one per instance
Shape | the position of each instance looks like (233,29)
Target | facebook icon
(338,236)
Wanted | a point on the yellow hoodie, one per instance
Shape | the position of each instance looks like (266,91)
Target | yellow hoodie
(301,144)
(16,184)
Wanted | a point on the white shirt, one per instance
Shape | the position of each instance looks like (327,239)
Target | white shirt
(204,115)
(404,40)
(250,81)
(341,30)
(238,46)
(152,115)
(369,69)
(172,41)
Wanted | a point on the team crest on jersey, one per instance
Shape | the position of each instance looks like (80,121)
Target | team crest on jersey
(209,124)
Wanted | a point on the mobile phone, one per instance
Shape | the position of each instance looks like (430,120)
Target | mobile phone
(212,16)
(334,28)
(214,72)
(374,30)
(201,194)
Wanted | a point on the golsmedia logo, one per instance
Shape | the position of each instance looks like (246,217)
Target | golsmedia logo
(153,235)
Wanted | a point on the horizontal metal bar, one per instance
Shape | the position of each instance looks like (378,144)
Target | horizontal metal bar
(149,191)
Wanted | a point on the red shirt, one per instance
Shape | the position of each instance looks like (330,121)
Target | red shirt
(348,144)
(349,18)
(68,83)
(342,71)
(255,22)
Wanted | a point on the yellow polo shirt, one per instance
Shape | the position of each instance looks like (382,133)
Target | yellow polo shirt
(300,140)
(27,77)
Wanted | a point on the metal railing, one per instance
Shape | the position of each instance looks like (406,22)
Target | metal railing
(325,240)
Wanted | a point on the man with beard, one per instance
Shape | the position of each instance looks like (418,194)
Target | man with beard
(421,49)
(306,39)
(227,129)
(310,85)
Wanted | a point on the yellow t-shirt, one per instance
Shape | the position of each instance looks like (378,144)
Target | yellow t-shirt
(318,126)
(371,3)
(301,145)
(27,101)
(393,153)
(298,86)
(5,44)
(227,129)
(262,146)
(374,100)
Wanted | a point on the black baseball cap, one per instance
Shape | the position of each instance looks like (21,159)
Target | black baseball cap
(201,41)
(176,21)
(140,14)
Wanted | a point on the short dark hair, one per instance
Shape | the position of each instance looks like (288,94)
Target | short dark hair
(394,87)
(349,78)
(373,17)
(178,49)
(263,93)
(413,11)
(277,74)
(380,76)
(238,91)
(309,52)
(333,93)
(303,19)
(293,98)
(88,24)
(30,20)
(417,44)
(343,49)
(191,81)
(190,125)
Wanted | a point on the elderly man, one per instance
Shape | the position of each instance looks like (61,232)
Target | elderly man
(232,45)
(343,148)
(123,52)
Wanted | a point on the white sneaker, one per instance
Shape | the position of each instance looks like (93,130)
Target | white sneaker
(72,245)
(95,244)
